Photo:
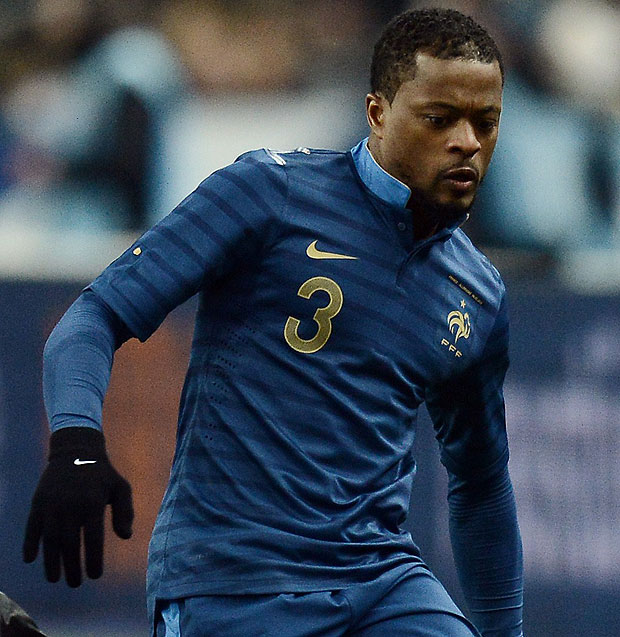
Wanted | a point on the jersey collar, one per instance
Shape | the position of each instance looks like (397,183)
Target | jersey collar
(377,180)
(387,188)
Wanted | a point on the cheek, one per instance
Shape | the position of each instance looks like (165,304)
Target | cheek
(417,156)
(425,162)
(488,145)
(486,155)
(420,172)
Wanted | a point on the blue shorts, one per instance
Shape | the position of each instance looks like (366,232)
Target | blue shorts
(407,602)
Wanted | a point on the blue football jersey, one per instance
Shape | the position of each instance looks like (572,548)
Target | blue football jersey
(322,325)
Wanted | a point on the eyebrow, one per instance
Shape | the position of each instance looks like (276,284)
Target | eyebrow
(451,107)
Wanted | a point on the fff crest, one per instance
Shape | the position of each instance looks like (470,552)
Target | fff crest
(459,325)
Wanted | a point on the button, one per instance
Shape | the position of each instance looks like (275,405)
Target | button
(402,226)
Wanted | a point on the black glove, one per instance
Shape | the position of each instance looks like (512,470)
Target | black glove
(73,491)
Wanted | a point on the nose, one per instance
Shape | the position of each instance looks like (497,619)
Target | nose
(464,140)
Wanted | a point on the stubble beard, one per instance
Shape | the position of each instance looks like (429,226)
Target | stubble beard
(440,214)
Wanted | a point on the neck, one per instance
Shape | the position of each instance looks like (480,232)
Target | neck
(424,224)
(375,150)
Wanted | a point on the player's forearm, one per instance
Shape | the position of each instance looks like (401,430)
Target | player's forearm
(77,362)
(487,549)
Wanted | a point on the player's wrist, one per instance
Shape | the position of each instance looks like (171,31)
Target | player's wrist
(77,440)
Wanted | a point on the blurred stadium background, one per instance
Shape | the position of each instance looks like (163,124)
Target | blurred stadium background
(112,111)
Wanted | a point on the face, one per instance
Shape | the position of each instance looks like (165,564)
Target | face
(439,133)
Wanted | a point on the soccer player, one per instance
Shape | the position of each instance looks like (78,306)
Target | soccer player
(337,293)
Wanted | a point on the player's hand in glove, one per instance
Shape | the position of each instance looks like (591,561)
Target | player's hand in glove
(73,492)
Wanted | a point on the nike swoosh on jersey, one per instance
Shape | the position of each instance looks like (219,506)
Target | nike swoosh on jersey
(314,253)
(78,462)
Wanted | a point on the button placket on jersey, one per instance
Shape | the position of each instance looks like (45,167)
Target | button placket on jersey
(406,265)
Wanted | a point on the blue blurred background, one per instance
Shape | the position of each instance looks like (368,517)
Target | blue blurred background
(112,111)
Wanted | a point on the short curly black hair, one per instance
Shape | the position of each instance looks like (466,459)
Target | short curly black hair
(442,33)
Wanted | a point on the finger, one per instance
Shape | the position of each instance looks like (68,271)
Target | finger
(93,546)
(32,537)
(51,556)
(70,552)
(122,510)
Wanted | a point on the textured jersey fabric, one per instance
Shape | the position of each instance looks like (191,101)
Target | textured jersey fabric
(403,602)
(483,528)
(77,361)
(486,543)
(293,465)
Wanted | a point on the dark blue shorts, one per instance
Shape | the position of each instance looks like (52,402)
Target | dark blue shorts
(407,602)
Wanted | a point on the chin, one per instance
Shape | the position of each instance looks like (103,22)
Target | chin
(443,212)
(447,214)
(457,207)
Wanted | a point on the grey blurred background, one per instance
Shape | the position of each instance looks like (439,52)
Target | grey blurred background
(111,112)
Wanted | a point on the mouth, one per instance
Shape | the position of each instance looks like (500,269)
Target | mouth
(461,179)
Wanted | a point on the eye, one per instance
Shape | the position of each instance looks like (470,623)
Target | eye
(438,121)
(487,125)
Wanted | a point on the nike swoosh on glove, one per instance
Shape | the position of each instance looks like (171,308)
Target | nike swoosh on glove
(73,492)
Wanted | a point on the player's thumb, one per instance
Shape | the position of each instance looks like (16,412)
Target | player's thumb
(122,509)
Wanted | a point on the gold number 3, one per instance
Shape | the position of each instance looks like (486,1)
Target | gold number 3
(322,317)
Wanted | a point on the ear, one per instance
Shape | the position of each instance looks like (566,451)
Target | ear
(376,106)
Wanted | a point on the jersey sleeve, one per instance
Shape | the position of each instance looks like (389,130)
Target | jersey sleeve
(77,362)
(227,217)
(488,553)
(468,411)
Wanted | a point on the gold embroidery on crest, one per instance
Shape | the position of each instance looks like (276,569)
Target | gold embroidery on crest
(459,325)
